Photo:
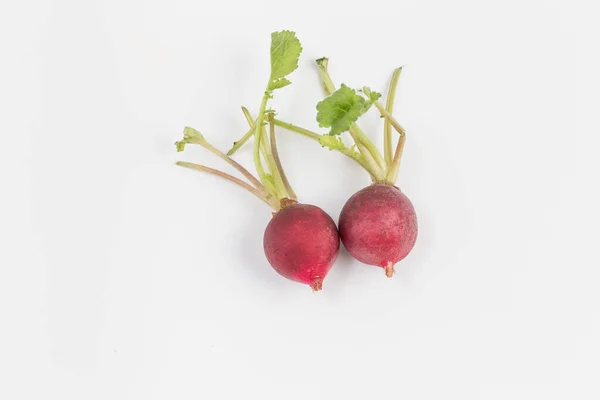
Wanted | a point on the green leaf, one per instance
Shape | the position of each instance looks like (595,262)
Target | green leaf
(332,142)
(279,83)
(340,110)
(190,135)
(285,52)
(374,96)
(336,143)
(180,145)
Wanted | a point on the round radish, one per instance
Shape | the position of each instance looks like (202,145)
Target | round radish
(378,226)
(301,243)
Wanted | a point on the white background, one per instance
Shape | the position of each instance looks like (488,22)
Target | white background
(123,276)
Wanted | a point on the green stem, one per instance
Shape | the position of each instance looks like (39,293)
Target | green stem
(261,140)
(275,171)
(267,199)
(328,85)
(237,145)
(260,135)
(257,161)
(255,182)
(364,139)
(394,168)
(264,148)
(375,168)
(297,129)
(277,122)
(387,127)
(317,137)
(389,117)
(288,188)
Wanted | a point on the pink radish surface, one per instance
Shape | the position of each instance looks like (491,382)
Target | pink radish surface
(378,226)
(301,243)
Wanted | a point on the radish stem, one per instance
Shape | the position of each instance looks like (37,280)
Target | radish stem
(230,178)
(328,85)
(387,127)
(237,145)
(240,143)
(373,168)
(290,192)
(263,144)
(304,132)
(255,182)
(317,137)
(297,129)
(364,139)
(265,149)
(389,117)
(395,167)
(264,178)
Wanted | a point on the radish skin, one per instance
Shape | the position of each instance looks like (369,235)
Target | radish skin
(301,243)
(378,226)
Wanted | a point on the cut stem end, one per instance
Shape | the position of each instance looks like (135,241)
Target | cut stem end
(286,202)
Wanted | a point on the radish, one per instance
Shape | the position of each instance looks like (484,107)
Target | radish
(301,241)
(378,224)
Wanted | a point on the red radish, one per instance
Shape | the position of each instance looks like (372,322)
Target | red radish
(301,242)
(378,226)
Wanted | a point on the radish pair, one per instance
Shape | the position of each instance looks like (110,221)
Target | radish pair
(377,225)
